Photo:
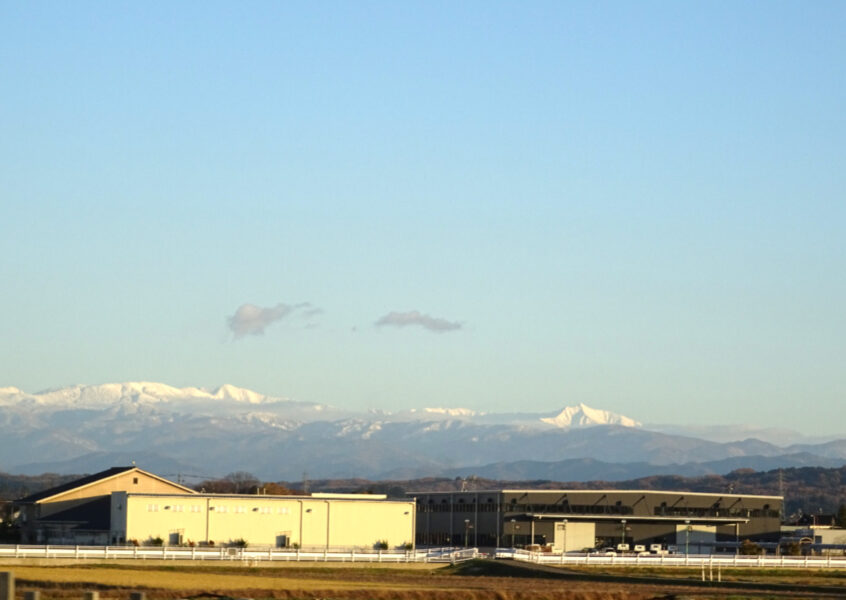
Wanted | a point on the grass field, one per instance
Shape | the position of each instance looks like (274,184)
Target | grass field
(476,580)
(781,576)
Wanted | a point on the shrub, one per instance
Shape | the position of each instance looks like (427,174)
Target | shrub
(791,549)
(239,543)
(381,545)
(156,541)
(750,547)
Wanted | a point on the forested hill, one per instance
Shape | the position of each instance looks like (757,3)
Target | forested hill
(18,486)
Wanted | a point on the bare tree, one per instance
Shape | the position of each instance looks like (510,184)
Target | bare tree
(243,482)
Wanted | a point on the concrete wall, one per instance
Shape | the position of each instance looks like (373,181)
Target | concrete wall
(574,537)
(310,522)
(697,539)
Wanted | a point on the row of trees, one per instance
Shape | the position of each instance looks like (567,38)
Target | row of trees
(243,482)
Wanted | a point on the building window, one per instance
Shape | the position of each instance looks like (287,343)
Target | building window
(135,481)
(152,508)
(195,509)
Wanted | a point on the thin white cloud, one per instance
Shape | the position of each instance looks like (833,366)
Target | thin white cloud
(311,311)
(250,319)
(416,318)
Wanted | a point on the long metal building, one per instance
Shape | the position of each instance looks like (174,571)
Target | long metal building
(575,520)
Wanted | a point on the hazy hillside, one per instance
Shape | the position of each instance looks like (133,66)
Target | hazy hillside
(190,431)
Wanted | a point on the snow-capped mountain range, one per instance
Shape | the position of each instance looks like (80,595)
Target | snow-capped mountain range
(231,399)
(212,432)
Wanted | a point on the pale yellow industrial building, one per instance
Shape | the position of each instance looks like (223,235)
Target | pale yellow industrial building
(126,505)
(323,521)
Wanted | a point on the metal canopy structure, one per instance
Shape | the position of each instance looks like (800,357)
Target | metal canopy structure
(639,518)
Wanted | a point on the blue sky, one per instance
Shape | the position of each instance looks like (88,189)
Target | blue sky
(639,206)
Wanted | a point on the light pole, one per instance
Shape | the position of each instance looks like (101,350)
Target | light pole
(623,533)
(687,537)
(466,532)
(514,528)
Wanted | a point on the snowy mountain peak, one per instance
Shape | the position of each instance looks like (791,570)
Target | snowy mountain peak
(583,415)
(234,393)
(144,392)
(452,412)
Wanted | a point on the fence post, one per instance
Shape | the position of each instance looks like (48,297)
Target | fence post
(7,585)
(137,596)
(32,595)
(91,596)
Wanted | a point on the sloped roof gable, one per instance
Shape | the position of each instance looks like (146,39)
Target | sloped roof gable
(89,480)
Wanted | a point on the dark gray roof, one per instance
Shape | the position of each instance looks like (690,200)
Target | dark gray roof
(70,485)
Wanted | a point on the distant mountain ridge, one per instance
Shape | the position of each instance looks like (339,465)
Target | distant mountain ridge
(140,391)
(212,432)
(585,416)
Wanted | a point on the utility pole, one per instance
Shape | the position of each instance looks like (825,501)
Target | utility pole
(781,493)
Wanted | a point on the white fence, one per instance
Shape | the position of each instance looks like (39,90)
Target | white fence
(428,555)
(677,560)
(204,553)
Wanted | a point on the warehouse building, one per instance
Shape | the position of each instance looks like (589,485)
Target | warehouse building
(575,520)
(325,521)
(77,512)
(126,505)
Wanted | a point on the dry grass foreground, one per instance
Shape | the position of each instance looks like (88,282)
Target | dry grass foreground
(469,581)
